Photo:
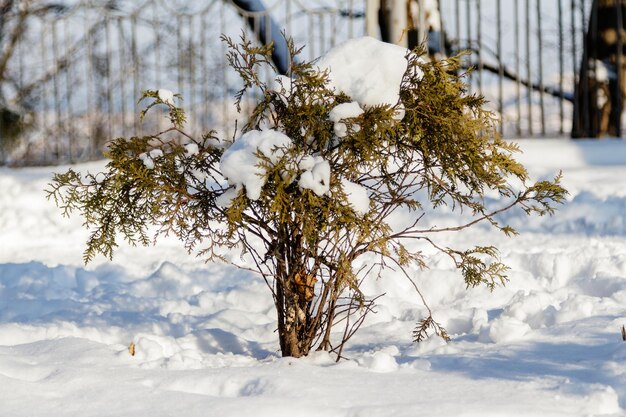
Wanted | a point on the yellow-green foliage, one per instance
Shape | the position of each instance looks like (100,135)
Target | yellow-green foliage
(445,148)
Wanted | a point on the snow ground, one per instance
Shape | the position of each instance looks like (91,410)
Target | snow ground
(547,344)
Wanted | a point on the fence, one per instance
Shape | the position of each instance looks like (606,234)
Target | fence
(77,72)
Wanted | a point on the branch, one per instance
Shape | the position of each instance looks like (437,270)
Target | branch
(507,73)
(18,31)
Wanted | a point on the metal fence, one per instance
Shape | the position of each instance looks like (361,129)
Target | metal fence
(78,72)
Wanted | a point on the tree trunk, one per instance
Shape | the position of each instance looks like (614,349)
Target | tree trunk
(294,319)
(267,31)
(600,89)
(294,292)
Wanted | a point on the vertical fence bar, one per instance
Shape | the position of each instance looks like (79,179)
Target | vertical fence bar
(204,76)
(574,52)
(619,69)
(69,130)
(518,84)
(594,120)
(121,56)
(180,57)
(421,23)
(89,83)
(500,65)
(289,18)
(225,115)
(158,67)
(479,43)
(540,69)
(442,38)
(157,45)
(528,71)
(268,36)
(333,29)
(468,45)
(322,31)
(20,64)
(457,22)
(56,92)
(191,56)
(561,66)
(350,19)
(136,69)
(109,84)
(584,80)
(311,35)
(44,91)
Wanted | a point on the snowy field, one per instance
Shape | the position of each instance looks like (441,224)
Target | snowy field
(547,344)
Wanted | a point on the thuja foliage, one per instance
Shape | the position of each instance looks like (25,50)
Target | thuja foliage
(444,151)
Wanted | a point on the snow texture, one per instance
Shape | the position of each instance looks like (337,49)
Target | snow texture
(316,176)
(191,149)
(341,112)
(166,96)
(367,70)
(241,164)
(357,196)
(546,344)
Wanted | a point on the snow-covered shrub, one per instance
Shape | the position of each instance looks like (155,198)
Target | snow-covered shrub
(328,155)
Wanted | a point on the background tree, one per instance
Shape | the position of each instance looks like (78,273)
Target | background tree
(311,185)
(16,97)
(601,86)
(22,25)
(267,31)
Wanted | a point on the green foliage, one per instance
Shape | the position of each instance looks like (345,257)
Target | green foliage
(177,114)
(444,151)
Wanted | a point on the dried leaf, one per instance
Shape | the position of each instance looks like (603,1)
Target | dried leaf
(305,285)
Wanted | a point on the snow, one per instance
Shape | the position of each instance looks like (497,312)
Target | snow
(367,70)
(316,176)
(341,112)
(240,163)
(357,196)
(547,344)
(148,158)
(166,96)
(191,149)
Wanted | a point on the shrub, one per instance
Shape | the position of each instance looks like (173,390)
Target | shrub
(328,155)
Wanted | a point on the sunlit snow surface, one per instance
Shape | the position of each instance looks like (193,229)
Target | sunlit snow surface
(548,344)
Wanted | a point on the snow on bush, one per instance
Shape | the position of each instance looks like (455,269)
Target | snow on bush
(241,162)
(366,70)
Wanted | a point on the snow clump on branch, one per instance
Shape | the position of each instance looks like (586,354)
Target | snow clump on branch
(241,164)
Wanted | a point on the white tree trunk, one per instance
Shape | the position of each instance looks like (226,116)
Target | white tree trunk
(399,22)
(371,18)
